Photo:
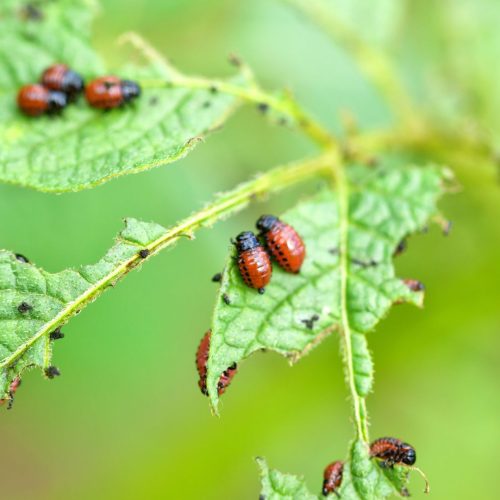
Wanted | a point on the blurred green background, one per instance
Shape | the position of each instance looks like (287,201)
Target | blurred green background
(126,419)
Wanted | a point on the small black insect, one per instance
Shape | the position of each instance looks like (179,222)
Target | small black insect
(24,307)
(144,253)
(226,299)
(52,372)
(310,322)
(56,334)
(22,258)
(216,278)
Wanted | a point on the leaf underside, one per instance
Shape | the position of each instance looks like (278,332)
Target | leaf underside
(50,300)
(385,207)
(83,146)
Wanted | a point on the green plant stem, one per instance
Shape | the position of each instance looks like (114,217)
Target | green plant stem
(236,200)
(283,104)
(226,204)
(358,402)
(374,63)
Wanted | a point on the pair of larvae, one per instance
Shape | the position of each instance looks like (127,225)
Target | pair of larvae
(254,263)
(281,241)
(60,85)
(389,450)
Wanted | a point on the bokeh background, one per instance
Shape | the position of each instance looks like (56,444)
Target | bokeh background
(126,419)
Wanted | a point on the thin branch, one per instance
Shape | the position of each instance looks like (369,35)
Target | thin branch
(282,104)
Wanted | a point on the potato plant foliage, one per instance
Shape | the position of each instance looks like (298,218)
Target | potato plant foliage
(351,226)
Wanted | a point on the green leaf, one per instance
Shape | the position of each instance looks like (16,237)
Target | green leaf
(383,483)
(384,207)
(279,486)
(50,300)
(84,147)
(364,479)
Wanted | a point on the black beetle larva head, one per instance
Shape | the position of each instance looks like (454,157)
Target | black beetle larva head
(72,83)
(266,223)
(130,90)
(57,101)
(246,241)
(409,454)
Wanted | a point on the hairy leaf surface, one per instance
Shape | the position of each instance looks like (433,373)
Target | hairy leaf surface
(297,311)
(34,303)
(84,147)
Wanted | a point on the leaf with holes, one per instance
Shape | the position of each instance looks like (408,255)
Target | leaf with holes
(298,311)
(84,147)
(34,303)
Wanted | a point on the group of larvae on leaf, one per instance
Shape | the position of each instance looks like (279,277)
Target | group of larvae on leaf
(59,86)
(390,451)
(282,242)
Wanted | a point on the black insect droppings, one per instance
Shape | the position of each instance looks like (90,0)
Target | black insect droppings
(153,100)
(56,334)
(263,107)
(404,492)
(400,248)
(144,253)
(24,307)
(226,299)
(216,278)
(22,258)
(362,263)
(31,12)
(206,104)
(334,251)
(214,89)
(310,322)
(234,60)
(52,372)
